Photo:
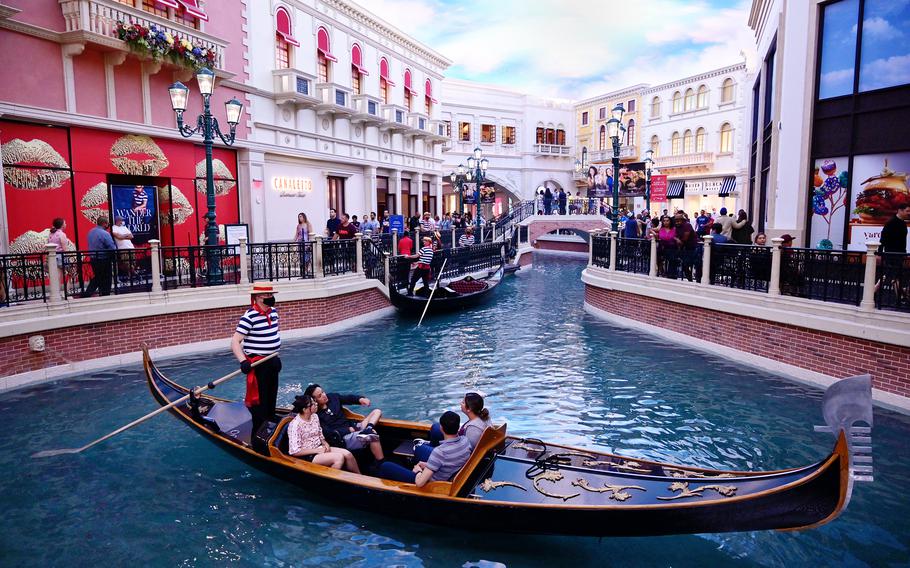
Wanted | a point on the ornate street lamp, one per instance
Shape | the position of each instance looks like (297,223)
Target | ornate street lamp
(458,179)
(477,169)
(649,166)
(615,130)
(207,125)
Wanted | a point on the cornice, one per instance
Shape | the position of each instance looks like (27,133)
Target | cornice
(696,78)
(633,90)
(29,29)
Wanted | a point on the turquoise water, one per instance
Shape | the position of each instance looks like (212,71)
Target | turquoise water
(159,495)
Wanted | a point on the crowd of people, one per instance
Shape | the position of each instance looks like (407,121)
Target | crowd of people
(347,226)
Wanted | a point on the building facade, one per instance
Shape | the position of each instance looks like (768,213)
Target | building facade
(527,140)
(829,154)
(696,126)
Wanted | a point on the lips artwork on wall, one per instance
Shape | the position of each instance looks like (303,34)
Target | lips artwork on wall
(31,242)
(177,203)
(39,161)
(137,155)
(224,181)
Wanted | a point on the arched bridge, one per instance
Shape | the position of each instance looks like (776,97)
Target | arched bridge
(581,225)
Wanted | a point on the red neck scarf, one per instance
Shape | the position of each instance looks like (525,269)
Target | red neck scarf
(267,312)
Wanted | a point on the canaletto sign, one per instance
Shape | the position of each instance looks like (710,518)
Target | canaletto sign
(292,186)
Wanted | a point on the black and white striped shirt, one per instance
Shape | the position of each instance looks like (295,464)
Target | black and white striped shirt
(427,225)
(466,240)
(426,255)
(260,336)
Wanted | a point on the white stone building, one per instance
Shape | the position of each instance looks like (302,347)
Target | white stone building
(526,139)
(344,115)
(697,128)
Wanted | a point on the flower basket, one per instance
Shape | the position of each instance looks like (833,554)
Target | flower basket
(154,43)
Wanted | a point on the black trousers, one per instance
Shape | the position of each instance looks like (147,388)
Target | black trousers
(419,273)
(101,281)
(267,378)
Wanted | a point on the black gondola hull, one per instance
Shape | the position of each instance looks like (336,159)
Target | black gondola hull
(414,305)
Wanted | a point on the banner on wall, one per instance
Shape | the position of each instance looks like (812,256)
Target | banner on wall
(878,187)
(659,189)
(830,203)
(137,204)
(632,179)
(487,194)
(468,197)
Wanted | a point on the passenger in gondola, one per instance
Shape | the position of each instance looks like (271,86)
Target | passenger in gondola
(478,421)
(306,440)
(340,430)
(422,272)
(445,461)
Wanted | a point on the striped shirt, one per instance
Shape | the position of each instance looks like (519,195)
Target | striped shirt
(449,457)
(466,240)
(260,337)
(426,255)
(427,225)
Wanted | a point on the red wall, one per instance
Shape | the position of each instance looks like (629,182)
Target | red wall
(18,54)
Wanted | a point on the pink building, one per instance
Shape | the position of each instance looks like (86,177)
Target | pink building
(83,113)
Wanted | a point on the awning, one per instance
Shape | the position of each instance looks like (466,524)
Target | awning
(677,189)
(357,60)
(322,44)
(283,25)
(192,8)
(429,90)
(728,187)
(384,71)
(169,4)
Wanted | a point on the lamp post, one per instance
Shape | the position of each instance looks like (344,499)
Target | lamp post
(477,169)
(649,165)
(458,180)
(614,131)
(208,126)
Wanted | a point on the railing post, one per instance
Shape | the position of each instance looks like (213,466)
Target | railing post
(394,242)
(613,235)
(774,284)
(155,259)
(53,274)
(453,237)
(244,267)
(868,302)
(317,259)
(591,236)
(358,252)
(706,260)
(652,270)
(385,261)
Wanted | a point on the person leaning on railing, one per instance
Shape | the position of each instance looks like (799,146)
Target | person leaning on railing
(101,247)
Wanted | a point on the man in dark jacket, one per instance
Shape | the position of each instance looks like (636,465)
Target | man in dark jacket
(562,200)
(340,430)
(894,233)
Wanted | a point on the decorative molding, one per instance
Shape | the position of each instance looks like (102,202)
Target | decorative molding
(148,68)
(68,51)
(111,60)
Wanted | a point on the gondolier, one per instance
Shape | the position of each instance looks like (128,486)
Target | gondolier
(467,239)
(255,337)
(422,271)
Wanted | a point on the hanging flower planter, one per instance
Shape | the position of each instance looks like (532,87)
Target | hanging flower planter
(157,44)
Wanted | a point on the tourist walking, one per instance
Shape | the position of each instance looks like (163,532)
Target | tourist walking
(101,248)
(303,230)
(346,230)
(894,233)
(255,337)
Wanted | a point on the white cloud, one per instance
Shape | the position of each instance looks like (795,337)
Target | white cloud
(885,72)
(880,28)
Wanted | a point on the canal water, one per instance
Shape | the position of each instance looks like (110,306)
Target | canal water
(159,495)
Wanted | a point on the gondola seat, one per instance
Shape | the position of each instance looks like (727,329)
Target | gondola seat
(468,286)
(492,437)
(232,419)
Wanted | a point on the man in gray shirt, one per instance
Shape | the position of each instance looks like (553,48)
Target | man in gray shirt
(101,246)
(444,462)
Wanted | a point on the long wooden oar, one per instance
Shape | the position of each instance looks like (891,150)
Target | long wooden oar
(199,390)
(433,291)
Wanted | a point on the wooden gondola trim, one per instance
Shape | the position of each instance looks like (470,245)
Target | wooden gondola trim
(491,437)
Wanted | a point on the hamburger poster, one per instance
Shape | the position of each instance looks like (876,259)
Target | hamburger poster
(880,185)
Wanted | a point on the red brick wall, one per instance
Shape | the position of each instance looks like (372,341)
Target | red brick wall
(561,245)
(823,352)
(91,341)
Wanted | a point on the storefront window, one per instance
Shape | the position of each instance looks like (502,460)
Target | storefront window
(838,49)
(886,47)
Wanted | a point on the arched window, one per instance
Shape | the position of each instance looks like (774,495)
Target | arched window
(357,69)
(726,91)
(602,144)
(630,133)
(700,140)
(687,142)
(324,56)
(677,102)
(560,137)
(584,154)
(702,101)
(551,134)
(284,39)
(428,100)
(541,135)
(655,107)
(384,82)
(675,148)
(726,138)
(655,145)
(690,99)
(409,91)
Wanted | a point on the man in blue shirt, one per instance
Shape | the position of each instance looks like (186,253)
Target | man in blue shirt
(717,233)
(101,246)
(630,231)
(703,223)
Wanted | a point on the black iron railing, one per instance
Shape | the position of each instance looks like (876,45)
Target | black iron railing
(679,263)
(826,275)
(23,277)
(116,272)
(373,261)
(745,267)
(633,255)
(382,241)
(339,257)
(458,262)
(192,267)
(600,255)
(277,261)
(892,281)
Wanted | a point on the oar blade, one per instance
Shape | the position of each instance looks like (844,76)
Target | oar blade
(52,453)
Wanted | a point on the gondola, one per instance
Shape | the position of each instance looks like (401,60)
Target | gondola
(449,296)
(525,485)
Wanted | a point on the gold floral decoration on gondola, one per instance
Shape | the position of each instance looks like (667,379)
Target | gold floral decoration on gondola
(617,492)
(629,466)
(527,448)
(552,476)
(685,492)
(490,485)
(672,472)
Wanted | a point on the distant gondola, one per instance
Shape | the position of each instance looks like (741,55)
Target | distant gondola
(451,296)
(527,486)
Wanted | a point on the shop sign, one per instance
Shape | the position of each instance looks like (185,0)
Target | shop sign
(712,186)
(694,187)
(659,189)
(292,186)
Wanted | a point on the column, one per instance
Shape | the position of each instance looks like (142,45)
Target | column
(394,242)
(244,268)
(439,208)
(395,180)
(111,60)
(358,252)
(317,258)
(706,260)
(155,259)
(868,302)
(68,51)
(418,179)
(652,270)
(148,68)
(372,198)
(774,284)
(613,235)
(53,274)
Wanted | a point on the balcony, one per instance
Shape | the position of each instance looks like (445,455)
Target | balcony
(367,109)
(692,160)
(419,125)
(626,152)
(606,156)
(333,99)
(439,132)
(294,87)
(552,150)
(395,116)
(95,22)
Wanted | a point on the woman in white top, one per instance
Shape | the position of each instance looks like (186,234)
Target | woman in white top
(305,439)
(304,228)
(478,418)
(59,238)
(122,235)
